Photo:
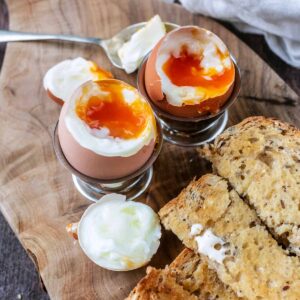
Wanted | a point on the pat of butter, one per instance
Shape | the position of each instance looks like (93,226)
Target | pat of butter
(141,42)
(196,229)
(209,244)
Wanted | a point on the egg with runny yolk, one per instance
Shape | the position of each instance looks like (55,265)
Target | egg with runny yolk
(107,130)
(189,73)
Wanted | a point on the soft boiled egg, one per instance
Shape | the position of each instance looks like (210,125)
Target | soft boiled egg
(107,130)
(119,235)
(189,72)
(64,78)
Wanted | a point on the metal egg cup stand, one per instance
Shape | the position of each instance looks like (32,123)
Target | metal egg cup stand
(93,189)
(176,130)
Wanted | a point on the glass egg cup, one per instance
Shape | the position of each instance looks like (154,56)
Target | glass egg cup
(132,185)
(191,131)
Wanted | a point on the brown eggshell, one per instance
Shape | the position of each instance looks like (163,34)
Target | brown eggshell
(152,80)
(94,165)
(54,98)
(194,111)
(155,93)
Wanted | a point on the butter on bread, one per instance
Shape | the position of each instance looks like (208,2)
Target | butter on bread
(254,265)
(188,277)
(260,157)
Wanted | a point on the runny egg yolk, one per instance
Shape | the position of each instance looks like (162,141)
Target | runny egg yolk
(100,73)
(185,70)
(110,110)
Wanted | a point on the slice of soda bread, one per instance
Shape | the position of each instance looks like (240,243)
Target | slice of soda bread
(188,277)
(260,157)
(210,218)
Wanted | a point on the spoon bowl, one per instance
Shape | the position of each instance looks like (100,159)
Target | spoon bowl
(111,46)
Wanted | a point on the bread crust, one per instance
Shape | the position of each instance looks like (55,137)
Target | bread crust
(260,157)
(188,277)
(248,267)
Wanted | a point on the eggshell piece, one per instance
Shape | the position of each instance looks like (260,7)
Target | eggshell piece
(130,231)
(152,79)
(63,78)
(55,99)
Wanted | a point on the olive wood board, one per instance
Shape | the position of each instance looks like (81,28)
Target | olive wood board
(37,196)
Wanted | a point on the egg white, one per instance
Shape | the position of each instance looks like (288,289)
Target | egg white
(197,42)
(118,234)
(65,77)
(99,140)
(141,42)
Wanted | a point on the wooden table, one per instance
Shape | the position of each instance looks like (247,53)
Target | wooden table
(18,278)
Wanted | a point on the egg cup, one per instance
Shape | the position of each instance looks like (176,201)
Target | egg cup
(191,131)
(132,186)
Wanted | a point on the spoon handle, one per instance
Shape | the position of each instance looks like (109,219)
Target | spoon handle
(16,36)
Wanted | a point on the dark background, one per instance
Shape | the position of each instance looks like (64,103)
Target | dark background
(18,277)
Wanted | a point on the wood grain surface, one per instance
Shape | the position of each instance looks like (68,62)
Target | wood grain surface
(37,195)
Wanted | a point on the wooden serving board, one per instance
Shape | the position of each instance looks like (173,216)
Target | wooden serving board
(37,195)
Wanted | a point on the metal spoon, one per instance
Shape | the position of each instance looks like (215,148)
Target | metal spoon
(110,46)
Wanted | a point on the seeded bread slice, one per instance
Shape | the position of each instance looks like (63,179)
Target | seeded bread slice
(188,277)
(260,157)
(253,264)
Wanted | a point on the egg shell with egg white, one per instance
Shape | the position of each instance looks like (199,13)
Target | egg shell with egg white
(153,87)
(96,165)
(70,74)
(128,231)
